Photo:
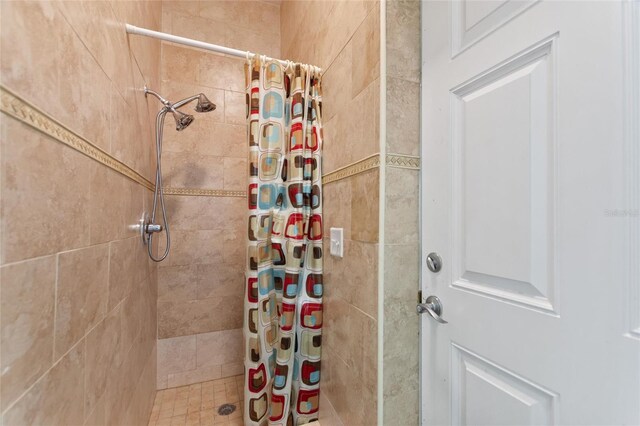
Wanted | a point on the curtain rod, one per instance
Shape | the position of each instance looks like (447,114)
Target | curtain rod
(132,29)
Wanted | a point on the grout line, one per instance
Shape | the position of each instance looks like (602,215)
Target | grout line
(17,262)
(55,306)
(334,413)
(84,382)
(381,212)
(356,308)
(23,394)
(363,312)
(82,41)
(21,110)
(80,340)
(132,54)
(348,41)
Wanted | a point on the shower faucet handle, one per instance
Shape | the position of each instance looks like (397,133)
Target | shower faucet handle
(153,227)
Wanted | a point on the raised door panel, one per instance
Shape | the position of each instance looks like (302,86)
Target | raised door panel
(484,393)
(472,20)
(503,180)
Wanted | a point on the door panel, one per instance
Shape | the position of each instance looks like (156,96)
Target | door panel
(472,20)
(503,179)
(527,128)
(486,394)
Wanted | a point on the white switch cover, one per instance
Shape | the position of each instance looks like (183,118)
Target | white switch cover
(336,248)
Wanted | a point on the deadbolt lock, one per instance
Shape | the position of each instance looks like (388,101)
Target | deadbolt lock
(434,262)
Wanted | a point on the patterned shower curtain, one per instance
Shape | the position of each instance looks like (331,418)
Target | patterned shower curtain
(283,291)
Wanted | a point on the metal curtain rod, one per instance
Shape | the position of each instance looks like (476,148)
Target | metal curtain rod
(132,29)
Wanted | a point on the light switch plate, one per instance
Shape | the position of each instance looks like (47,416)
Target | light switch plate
(336,245)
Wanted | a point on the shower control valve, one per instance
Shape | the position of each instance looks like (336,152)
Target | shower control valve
(152,227)
(146,227)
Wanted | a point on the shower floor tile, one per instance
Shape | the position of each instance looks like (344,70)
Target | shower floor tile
(198,404)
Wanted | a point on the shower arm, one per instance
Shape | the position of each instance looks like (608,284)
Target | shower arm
(148,91)
(185,101)
(168,105)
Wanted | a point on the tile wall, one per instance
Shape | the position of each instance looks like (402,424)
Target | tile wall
(77,292)
(200,296)
(402,249)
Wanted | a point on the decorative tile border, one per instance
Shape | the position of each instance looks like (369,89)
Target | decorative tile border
(28,114)
(403,161)
(358,167)
(197,192)
(392,160)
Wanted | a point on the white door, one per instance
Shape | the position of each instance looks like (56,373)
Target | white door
(530,198)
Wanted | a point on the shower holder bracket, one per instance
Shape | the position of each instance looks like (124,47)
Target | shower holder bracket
(145,220)
(147,228)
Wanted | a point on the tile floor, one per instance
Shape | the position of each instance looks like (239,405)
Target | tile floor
(198,404)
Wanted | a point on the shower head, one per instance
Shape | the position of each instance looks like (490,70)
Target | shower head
(204,104)
(182,120)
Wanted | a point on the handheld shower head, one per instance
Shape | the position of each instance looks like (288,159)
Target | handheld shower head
(204,104)
(182,120)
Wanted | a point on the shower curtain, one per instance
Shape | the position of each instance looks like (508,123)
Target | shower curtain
(283,291)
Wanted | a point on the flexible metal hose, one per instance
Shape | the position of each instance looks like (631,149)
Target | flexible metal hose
(158,195)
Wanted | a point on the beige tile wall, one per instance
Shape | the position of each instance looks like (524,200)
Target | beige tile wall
(77,292)
(402,248)
(343,37)
(200,357)
(200,298)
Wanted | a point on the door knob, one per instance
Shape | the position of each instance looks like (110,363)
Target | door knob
(434,262)
(433,307)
